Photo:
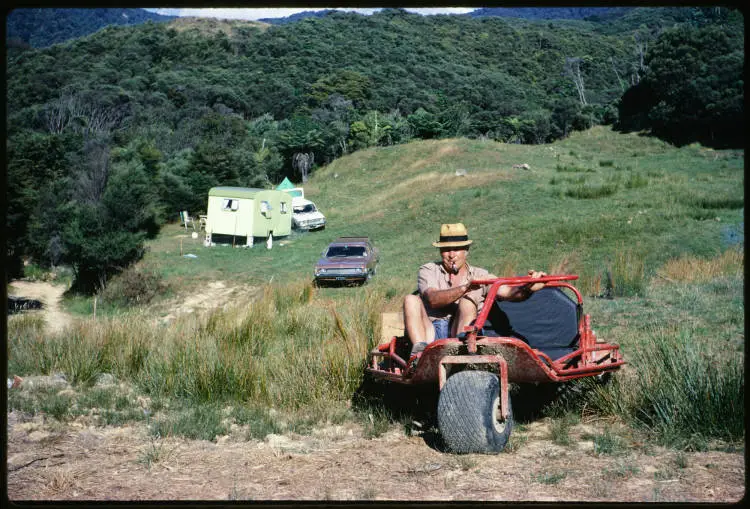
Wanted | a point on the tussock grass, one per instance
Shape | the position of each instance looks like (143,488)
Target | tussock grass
(590,192)
(692,269)
(569,168)
(684,395)
(636,181)
(626,274)
(717,202)
(289,350)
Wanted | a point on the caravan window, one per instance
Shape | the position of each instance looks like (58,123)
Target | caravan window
(265,207)
(282,207)
(230,204)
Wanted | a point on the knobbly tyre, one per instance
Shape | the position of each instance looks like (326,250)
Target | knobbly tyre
(545,338)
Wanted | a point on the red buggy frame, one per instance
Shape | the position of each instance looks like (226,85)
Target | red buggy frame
(473,371)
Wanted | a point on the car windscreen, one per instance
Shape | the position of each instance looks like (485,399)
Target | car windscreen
(338,251)
(304,208)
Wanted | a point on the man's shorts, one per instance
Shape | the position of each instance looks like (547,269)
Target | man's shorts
(442,328)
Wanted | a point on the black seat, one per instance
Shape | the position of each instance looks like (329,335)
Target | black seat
(547,321)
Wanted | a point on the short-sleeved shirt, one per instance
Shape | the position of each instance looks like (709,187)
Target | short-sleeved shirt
(434,275)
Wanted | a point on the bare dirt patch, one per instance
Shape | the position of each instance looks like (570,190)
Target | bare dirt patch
(213,295)
(339,463)
(49,295)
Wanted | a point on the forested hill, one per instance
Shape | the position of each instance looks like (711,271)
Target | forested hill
(542,13)
(44,27)
(119,130)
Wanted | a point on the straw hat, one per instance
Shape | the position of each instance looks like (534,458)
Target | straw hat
(453,235)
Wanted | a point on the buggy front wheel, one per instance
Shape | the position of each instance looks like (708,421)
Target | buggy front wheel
(469,415)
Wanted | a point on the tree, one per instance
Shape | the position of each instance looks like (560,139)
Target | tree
(693,88)
(349,84)
(425,124)
(302,162)
(572,70)
(37,166)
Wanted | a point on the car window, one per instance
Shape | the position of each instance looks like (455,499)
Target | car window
(338,251)
(304,208)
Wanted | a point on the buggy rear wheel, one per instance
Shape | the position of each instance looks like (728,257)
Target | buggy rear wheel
(469,415)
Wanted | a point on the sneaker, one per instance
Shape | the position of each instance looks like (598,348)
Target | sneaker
(419,347)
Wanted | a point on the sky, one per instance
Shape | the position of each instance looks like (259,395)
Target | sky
(254,14)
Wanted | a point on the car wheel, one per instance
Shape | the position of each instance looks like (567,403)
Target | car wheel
(469,414)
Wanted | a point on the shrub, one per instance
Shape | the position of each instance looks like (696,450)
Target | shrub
(134,287)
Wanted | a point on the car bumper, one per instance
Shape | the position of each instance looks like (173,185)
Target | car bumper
(340,276)
(310,225)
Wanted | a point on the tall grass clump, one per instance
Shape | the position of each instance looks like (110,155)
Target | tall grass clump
(566,168)
(692,269)
(715,203)
(636,181)
(589,192)
(305,356)
(681,393)
(626,274)
(26,345)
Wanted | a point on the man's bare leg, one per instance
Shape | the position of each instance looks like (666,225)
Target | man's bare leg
(416,322)
(466,313)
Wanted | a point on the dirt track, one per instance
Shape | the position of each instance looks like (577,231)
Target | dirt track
(337,463)
(49,461)
(49,295)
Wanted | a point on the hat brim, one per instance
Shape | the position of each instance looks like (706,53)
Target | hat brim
(460,243)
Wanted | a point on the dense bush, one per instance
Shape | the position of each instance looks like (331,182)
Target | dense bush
(134,287)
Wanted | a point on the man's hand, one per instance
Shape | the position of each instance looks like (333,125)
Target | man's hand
(534,275)
(471,286)
(518,293)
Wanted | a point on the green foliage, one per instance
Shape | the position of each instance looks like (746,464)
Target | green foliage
(693,88)
(47,26)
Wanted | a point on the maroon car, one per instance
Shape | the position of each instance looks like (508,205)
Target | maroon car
(347,260)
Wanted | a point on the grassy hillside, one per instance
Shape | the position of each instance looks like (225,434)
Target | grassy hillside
(598,202)
(653,228)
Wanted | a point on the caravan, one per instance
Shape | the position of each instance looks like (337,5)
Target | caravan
(239,214)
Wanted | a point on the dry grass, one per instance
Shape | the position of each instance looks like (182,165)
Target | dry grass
(690,269)
(63,479)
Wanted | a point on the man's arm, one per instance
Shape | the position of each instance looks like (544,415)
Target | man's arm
(427,284)
(441,298)
(519,293)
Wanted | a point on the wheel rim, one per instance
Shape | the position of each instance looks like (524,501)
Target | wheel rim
(497,416)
